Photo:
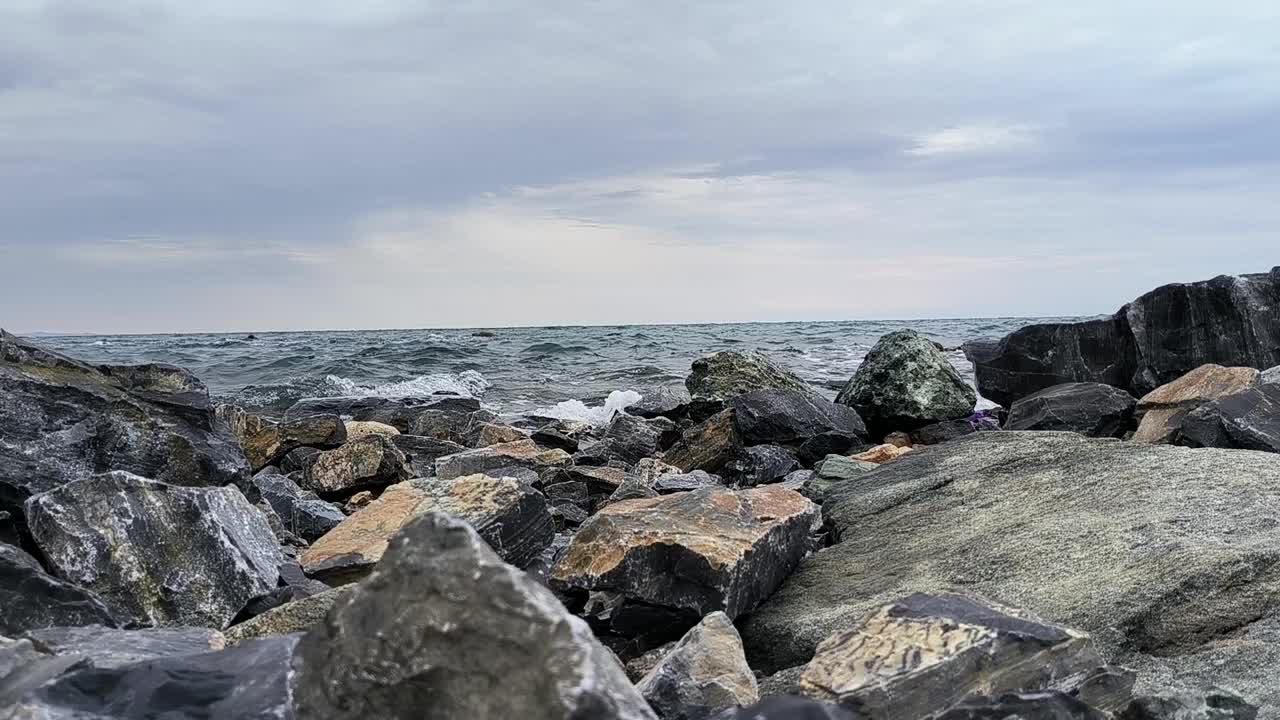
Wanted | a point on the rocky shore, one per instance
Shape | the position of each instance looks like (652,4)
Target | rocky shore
(1104,545)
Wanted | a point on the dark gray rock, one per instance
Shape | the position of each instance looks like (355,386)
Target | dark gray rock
(33,670)
(819,446)
(62,420)
(835,469)
(1217,704)
(421,452)
(522,453)
(442,623)
(399,413)
(566,435)
(109,648)
(632,489)
(684,482)
(1091,409)
(1248,420)
(158,554)
(761,465)
(792,418)
(727,373)
(297,461)
(632,438)
(668,402)
(456,423)
(709,445)
(787,708)
(13,555)
(266,441)
(30,599)
(293,617)
(302,513)
(952,429)
(1023,706)
(1270,377)
(704,673)
(905,383)
(247,682)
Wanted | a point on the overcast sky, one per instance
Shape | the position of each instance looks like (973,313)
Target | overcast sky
(182,166)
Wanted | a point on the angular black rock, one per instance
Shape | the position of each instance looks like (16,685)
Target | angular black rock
(1024,706)
(30,599)
(1217,704)
(113,648)
(1091,409)
(1249,420)
(791,418)
(303,513)
(761,465)
(668,402)
(399,413)
(632,438)
(784,707)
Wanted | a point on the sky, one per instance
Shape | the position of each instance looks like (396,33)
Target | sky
(174,166)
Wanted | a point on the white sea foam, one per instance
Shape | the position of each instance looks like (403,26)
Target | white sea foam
(467,382)
(617,402)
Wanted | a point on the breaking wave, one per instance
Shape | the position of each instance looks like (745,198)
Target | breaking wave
(468,382)
(618,401)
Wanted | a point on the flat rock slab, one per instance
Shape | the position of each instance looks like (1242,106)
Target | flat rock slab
(158,554)
(522,453)
(510,516)
(1091,409)
(444,624)
(696,552)
(1157,551)
(113,648)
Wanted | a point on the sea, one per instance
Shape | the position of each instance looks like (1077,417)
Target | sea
(573,372)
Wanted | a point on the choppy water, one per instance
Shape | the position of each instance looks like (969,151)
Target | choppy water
(510,370)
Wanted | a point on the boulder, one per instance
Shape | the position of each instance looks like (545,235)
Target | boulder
(1217,704)
(761,465)
(250,681)
(833,443)
(487,433)
(109,648)
(704,673)
(722,375)
(400,413)
(30,599)
(1091,409)
(563,434)
(921,655)
(905,383)
(62,420)
(790,418)
(684,482)
(522,453)
(668,402)
(1164,334)
(444,624)
(948,430)
(1168,556)
(632,438)
(1023,706)
(1248,420)
(1163,409)
(422,452)
(357,429)
(16,556)
(707,446)
(158,554)
(266,441)
(302,513)
(510,516)
(294,617)
(695,552)
(369,462)
(630,489)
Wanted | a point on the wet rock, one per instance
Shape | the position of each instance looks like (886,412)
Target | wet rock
(266,441)
(633,438)
(722,375)
(33,670)
(601,482)
(787,708)
(919,656)
(369,462)
(444,623)
(302,513)
(487,433)
(684,482)
(761,465)
(30,599)
(62,420)
(881,454)
(422,452)
(510,516)
(695,552)
(454,423)
(1217,704)
(400,413)
(704,673)
(668,402)
(707,446)
(298,460)
(1168,556)
(112,648)
(1248,420)
(1164,408)
(1090,409)
(16,556)
(250,681)
(158,554)
(790,418)
(523,453)
(905,383)
(294,617)
(14,654)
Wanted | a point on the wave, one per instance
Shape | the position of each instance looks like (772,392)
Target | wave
(548,348)
(618,401)
(468,382)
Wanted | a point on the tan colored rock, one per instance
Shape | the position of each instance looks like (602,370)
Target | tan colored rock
(297,616)
(494,434)
(357,429)
(881,454)
(371,461)
(511,517)
(703,674)
(697,552)
(522,453)
(898,439)
(707,446)
(359,500)
(1164,408)
(266,441)
(650,469)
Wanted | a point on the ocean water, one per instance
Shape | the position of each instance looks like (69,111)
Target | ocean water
(565,371)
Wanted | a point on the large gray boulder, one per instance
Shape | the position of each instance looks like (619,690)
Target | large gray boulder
(796,420)
(158,554)
(444,627)
(722,375)
(704,673)
(1168,556)
(1164,334)
(905,383)
(1091,409)
(62,420)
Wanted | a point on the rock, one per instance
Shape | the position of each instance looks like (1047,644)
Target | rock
(30,599)
(1270,377)
(668,402)
(1091,409)
(33,670)
(787,708)
(820,446)
(1167,556)
(722,375)
(14,655)
(1023,706)
(250,681)
(488,433)
(920,655)
(881,454)
(400,413)
(62,420)
(761,465)
(1164,334)
(898,438)
(294,617)
(632,438)
(799,480)
(707,446)
(1164,408)
(444,624)
(422,452)
(704,673)
(695,552)
(951,429)
(361,499)
(302,513)
(834,470)
(650,469)
(1249,420)
(523,453)
(16,556)
(357,429)
(905,383)
(511,517)
(1217,704)
(109,648)
(158,554)
(298,460)
(267,441)
(790,418)
(563,434)
(631,489)
(639,666)
(368,462)
(684,482)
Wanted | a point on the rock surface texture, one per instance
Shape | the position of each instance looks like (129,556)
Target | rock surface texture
(31,599)
(704,673)
(1164,408)
(113,648)
(266,441)
(905,383)
(1248,420)
(1091,409)
(372,461)
(722,375)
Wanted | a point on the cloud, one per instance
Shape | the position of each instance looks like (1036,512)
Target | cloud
(973,139)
